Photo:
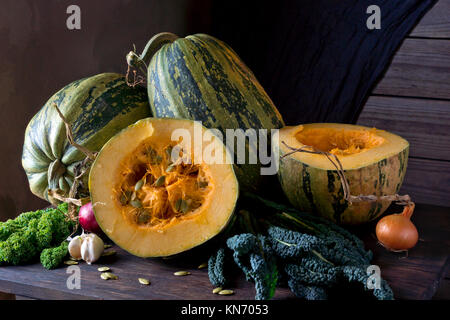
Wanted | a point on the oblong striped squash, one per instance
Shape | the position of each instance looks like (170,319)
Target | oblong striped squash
(97,108)
(374,162)
(201,78)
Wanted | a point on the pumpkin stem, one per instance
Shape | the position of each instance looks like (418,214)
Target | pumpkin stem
(142,61)
(154,44)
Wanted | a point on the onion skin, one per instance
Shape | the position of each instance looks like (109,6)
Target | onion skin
(87,219)
(396,232)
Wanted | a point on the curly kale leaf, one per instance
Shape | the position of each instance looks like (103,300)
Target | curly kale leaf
(290,244)
(255,257)
(216,268)
(307,292)
(359,274)
(52,258)
(20,247)
(23,239)
(53,228)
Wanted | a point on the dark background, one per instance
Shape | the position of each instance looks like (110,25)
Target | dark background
(39,55)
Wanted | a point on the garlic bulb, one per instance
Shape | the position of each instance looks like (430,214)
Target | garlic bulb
(92,248)
(75,247)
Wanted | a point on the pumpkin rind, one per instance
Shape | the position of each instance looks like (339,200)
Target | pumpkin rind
(97,108)
(201,78)
(314,189)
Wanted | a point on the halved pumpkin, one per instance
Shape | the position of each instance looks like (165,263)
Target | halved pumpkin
(374,163)
(154,196)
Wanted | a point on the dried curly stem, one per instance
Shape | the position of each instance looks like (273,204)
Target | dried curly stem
(403,200)
(91,155)
(79,172)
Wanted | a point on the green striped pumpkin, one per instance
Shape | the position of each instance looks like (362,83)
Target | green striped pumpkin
(201,78)
(312,188)
(97,108)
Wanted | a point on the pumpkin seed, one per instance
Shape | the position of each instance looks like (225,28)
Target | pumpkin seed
(181,206)
(184,207)
(133,196)
(202,184)
(103,269)
(106,246)
(136,203)
(108,253)
(143,216)
(70,262)
(226,292)
(104,276)
(203,265)
(170,168)
(139,185)
(160,181)
(123,199)
(217,290)
(108,275)
(169,152)
(144,281)
(182,273)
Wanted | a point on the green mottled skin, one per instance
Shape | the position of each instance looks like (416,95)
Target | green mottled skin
(97,108)
(320,191)
(201,78)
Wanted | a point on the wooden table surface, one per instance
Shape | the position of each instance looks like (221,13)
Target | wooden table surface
(417,276)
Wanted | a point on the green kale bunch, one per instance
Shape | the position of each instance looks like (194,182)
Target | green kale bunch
(308,253)
(24,238)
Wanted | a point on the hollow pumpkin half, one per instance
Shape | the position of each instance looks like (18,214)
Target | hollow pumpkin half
(374,163)
(158,196)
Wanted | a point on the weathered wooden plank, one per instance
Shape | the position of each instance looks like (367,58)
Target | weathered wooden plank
(435,24)
(424,123)
(34,281)
(420,68)
(428,181)
(425,263)
(415,277)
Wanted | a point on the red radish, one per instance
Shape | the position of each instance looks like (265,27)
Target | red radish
(87,219)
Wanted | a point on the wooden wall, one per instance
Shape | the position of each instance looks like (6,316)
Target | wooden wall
(413,100)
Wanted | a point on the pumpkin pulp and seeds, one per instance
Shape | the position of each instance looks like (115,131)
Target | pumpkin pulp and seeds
(158,185)
(339,142)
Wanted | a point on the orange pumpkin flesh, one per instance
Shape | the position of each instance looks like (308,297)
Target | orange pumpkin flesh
(150,202)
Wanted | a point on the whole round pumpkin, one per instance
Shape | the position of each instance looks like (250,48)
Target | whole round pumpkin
(97,108)
(201,78)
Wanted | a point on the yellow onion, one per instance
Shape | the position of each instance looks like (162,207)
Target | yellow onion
(396,232)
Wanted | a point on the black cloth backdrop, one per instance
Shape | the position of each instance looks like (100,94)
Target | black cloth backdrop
(316,59)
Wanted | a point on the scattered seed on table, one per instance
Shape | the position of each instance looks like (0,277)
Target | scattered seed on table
(203,265)
(144,281)
(108,253)
(226,292)
(182,273)
(108,275)
(103,269)
(217,290)
(70,262)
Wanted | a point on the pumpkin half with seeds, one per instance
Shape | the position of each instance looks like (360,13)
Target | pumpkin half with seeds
(156,196)
(374,163)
